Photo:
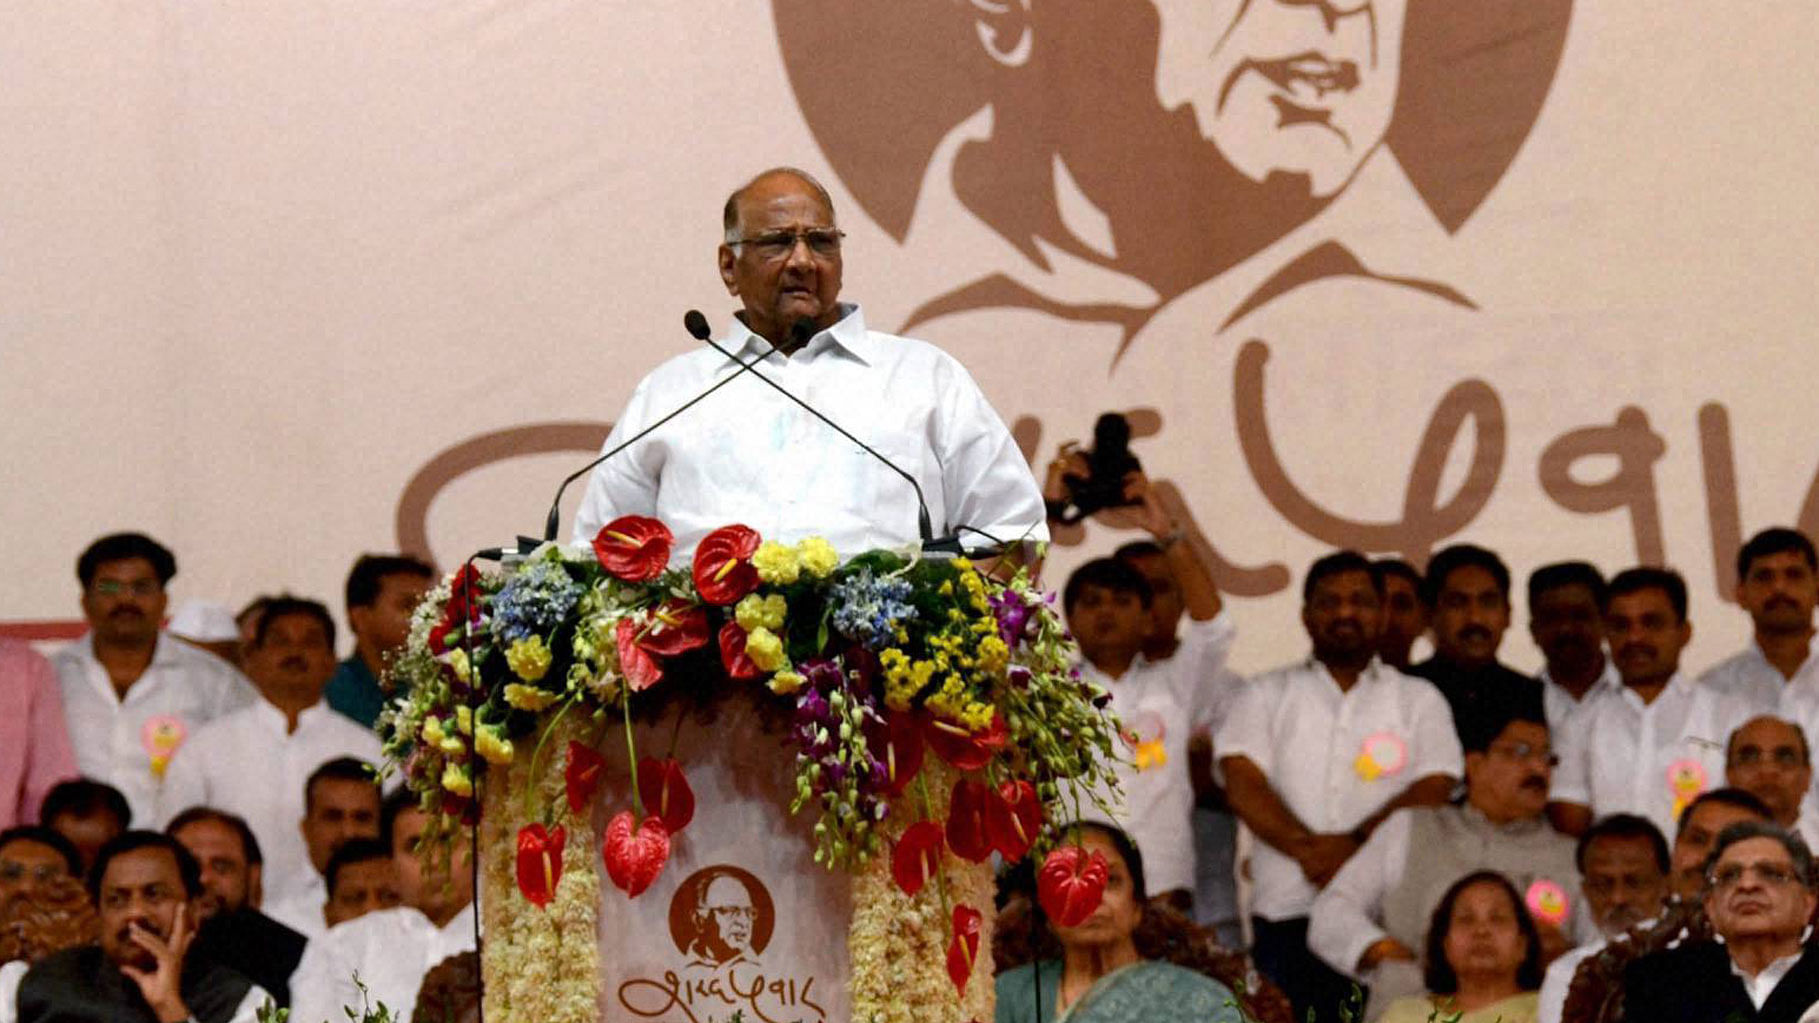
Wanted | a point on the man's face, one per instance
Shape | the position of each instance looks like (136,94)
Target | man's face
(1565,624)
(1510,778)
(141,891)
(1344,616)
(1165,596)
(1755,893)
(124,602)
(295,656)
(27,867)
(1107,621)
(1623,884)
(1470,616)
(339,809)
(782,286)
(87,832)
(1301,87)
(1404,618)
(437,887)
(1779,592)
(1645,635)
(729,906)
(385,624)
(1695,843)
(229,883)
(1765,760)
(361,888)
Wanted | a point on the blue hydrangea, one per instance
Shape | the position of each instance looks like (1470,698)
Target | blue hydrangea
(868,608)
(533,601)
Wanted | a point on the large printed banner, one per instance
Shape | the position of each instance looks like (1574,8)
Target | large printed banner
(281,283)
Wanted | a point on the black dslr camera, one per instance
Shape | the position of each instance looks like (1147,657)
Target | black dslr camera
(1108,462)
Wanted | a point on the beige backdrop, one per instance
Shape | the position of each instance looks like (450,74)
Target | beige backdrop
(280,283)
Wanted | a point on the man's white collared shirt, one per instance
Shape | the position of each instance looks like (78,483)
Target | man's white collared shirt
(1763,984)
(1622,755)
(1333,757)
(128,742)
(1561,706)
(1161,705)
(249,764)
(747,454)
(389,950)
(1747,674)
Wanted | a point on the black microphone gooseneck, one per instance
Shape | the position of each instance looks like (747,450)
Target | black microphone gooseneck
(800,332)
(696,324)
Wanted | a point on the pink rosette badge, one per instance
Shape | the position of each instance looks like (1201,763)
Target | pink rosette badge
(1547,902)
(161,736)
(1383,755)
(1686,780)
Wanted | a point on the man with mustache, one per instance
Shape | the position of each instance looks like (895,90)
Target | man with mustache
(1372,918)
(143,970)
(1623,871)
(1467,592)
(1653,746)
(230,928)
(1316,755)
(1565,618)
(289,733)
(1778,584)
(1769,758)
(131,695)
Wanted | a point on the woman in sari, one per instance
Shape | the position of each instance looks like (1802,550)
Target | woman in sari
(1101,976)
(1483,958)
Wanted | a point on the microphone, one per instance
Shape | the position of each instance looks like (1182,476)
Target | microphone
(696,325)
(800,332)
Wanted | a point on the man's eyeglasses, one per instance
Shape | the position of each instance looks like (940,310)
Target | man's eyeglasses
(1780,756)
(13,873)
(1730,875)
(1525,751)
(116,588)
(823,242)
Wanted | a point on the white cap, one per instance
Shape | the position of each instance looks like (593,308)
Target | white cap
(203,621)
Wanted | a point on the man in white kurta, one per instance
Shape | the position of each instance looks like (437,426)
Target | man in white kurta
(747,454)
(1566,621)
(255,761)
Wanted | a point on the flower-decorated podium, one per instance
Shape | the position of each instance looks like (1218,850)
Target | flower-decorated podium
(765,786)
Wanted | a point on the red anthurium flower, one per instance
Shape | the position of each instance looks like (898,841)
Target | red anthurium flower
(676,627)
(963,951)
(463,596)
(917,856)
(635,854)
(901,750)
(966,833)
(640,669)
(732,653)
(634,548)
(586,768)
(1071,883)
(1013,816)
(540,862)
(666,794)
(969,751)
(723,568)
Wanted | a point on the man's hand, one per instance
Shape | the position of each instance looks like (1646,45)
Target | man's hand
(1068,461)
(1384,950)
(1155,519)
(1321,856)
(161,986)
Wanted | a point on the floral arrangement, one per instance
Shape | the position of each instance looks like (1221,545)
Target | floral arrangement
(880,665)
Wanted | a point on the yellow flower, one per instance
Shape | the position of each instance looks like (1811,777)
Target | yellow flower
(977,717)
(784,683)
(496,748)
(458,663)
(994,656)
(464,719)
(456,780)
(776,563)
(528,697)
(432,731)
(528,658)
(817,556)
(765,649)
(756,612)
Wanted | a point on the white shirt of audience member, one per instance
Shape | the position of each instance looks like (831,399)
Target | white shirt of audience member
(1333,757)
(1161,705)
(248,764)
(1561,706)
(1622,755)
(129,742)
(390,950)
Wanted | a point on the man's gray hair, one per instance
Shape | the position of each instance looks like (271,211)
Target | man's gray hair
(1743,831)
(729,215)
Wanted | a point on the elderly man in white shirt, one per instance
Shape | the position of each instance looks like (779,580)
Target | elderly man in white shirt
(1316,755)
(748,454)
(254,762)
(1623,867)
(132,695)
(1566,621)
(1655,745)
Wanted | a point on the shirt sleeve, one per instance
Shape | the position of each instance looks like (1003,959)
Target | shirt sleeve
(248,1010)
(1207,687)
(1344,922)
(10,976)
(987,483)
(1437,748)
(1554,986)
(621,485)
(51,759)
(1573,778)
(1246,730)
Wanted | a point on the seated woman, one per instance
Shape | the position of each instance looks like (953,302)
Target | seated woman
(1483,958)
(1101,976)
